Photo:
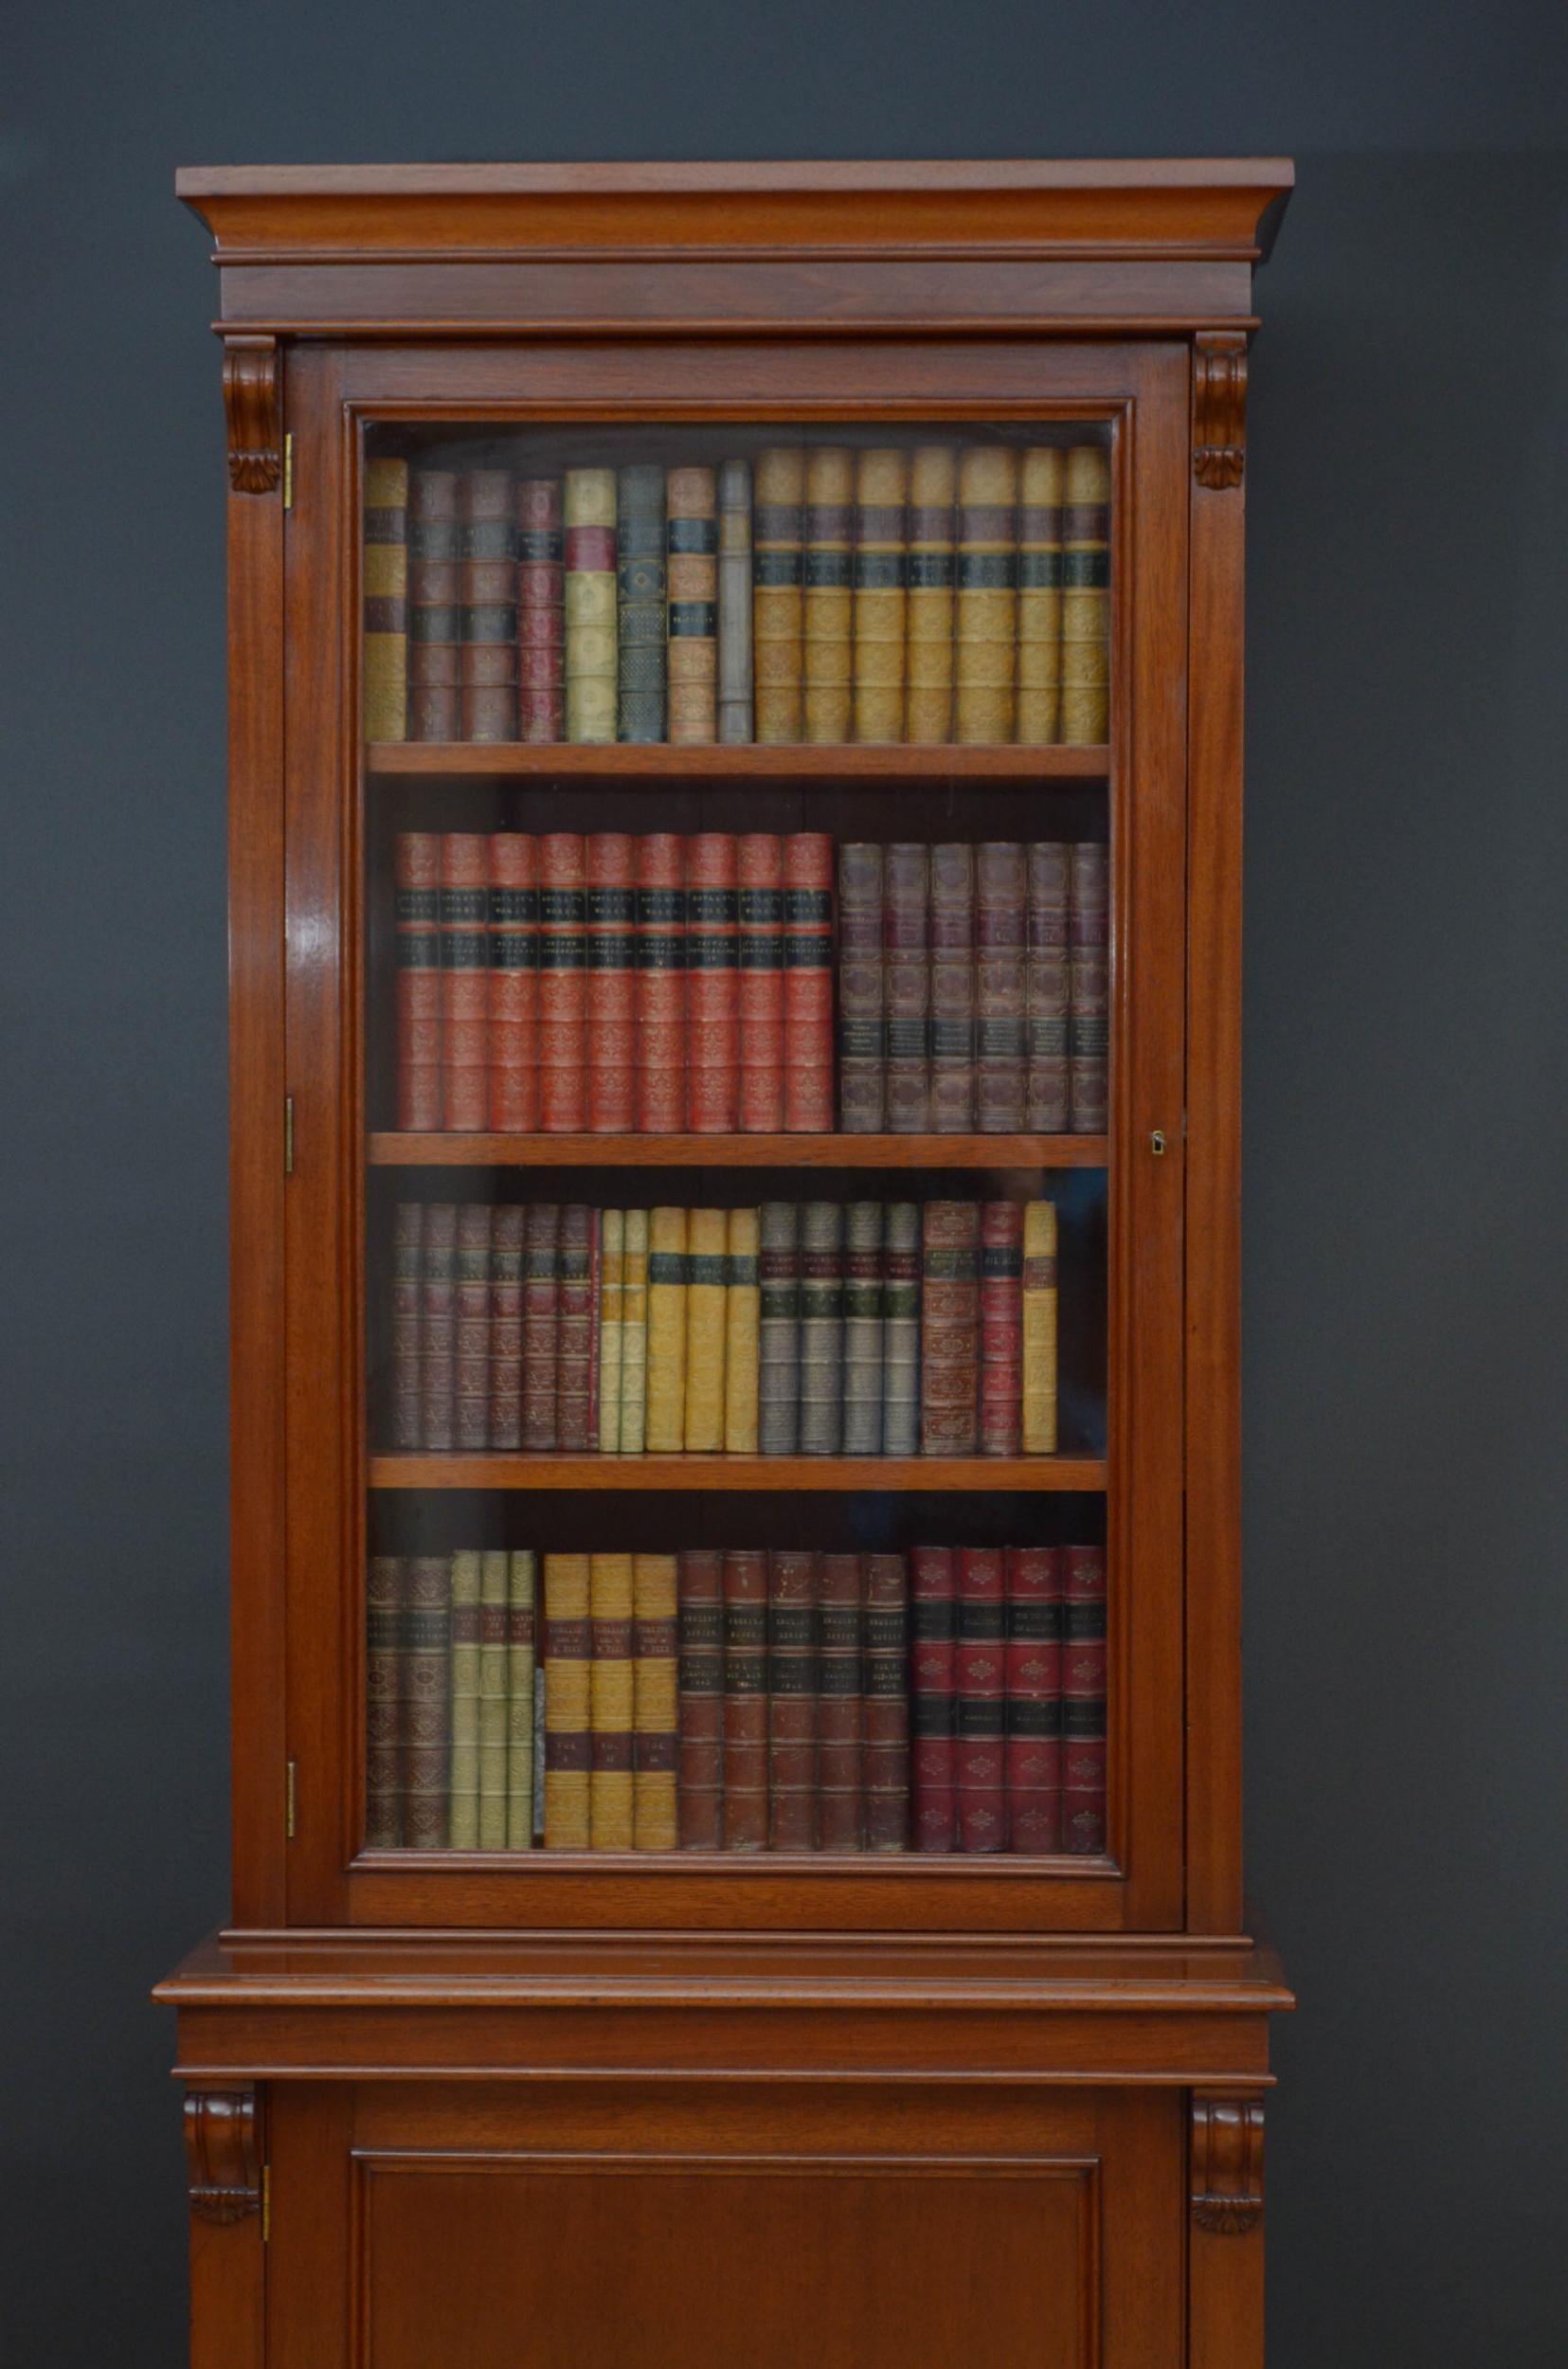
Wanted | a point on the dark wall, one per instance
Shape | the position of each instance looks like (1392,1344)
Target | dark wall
(1405,1088)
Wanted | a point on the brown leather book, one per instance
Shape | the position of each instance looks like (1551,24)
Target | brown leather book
(692,570)
(384,566)
(486,508)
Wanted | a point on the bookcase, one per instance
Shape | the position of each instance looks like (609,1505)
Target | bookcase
(735,773)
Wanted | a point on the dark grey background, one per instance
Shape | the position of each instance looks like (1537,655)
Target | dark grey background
(1405,1091)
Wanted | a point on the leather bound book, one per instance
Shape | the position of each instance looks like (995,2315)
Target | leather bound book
(541,610)
(952,1022)
(417,921)
(881,481)
(1046,991)
(1000,881)
(742,1302)
(563,983)
(641,602)
(659,1055)
(439,1325)
(745,1699)
(712,984)
(1033,1648)
(1041,475)
(840,1705)
(706,1235)
(610,861)
(933,1682)
(493,1701)
(655,1619)
(987,597)
(792,1699)
(828,594)
(1088,958)
(907,985)
(610,1703)
(901,1329)
(885,1663)
(471,1370)
(779,1328)
(407,1296)
(612,1271)
(1038,1377)
(863,1329)
(808,983)
(462,1721)
(385,565)
(692,581)
(426,1630)
(1086,596)
(761,952)
(776,602)
(541,1324)
(862,1033)
(666,1360)
(821,1328)
(464,981)
(592,638)
(485,506)
(700,1579)
(435,606)
(506,1326)
(734,508)
(568,1735)
(512,1044)
(383,1684)
(634,1335)
(980,1669)
(522,1585)
(950,1329)
(575,1430)
(1001,1326)
(1084,1701)
(931,570)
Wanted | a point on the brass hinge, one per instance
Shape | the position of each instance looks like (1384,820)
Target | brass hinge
(267,2203)
(290,1775)
(288,470)
(288,1135)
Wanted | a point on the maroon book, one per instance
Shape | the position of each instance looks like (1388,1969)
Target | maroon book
(1034,1582)
(701,1698)
(407,1293)
(439,1325)
(885,1666)
(808,983)
(1084,1700)
(464,979)
(611,1032)
(981,1672)
(950,1329)
(485,506)
(541,613)
(933,1682)
(470,1372)
(514,984)
(841,1709)
(541,1324)
(1046,994)
(575,1431)
(906,987)
(792,1698)
(760,946)
(1000,874)
(506,1327)
(1000,1328)
(745,1699)
(1088,1030)
(952,1028)
(435,606)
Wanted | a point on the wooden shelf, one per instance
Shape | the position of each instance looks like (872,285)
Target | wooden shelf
(1028,1152)
(559,761)
(979,1476)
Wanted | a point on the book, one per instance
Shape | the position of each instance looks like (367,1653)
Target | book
(1034,1653)
(705,1236)
(987,608)
(821,1331)
(907,985)
(541,610)
(776,595)
(610,1032)
(408,1297)
(416,874)
(562,983)
(660,988)
(427,1635)
(700,1583)
(933,1684)
(792,1699)
(952,990)
(1000,888)
(734,620)
(493,1701)
(383,1685)
(1089,966)
(655,1647)
(827,596)
(1041,476)
(612,1284)
(634,1335)
(1086,595)
(384,655)
(610,1703)
(840,1704)
(779,1328)
(439,1325)
(1037,1378)
(568,1737)
(512,1047)
(901,1329)
(929,568)
(489,587)
(641,601)
(576,1428)
(712,984)
(1001,1326)
(862,1039)
(541,1324)
(1047,990)
(808,983)
(881,478)
(591,669)
(666,1355)
(745,1699)
(1084,1700)
(742,1302)
(980,1666)
(885,1666)
(471,1347)
(464,979)
(693,565)
(760,949)
(522,1584)
(862,1430)
(463,1718)
(435,606)
(950,1329)
(506,1326)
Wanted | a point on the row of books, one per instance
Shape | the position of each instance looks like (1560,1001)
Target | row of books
(831,595)
(812,1328)
(738,1700)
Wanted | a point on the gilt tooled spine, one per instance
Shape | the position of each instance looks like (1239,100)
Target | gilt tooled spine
(1001,1326)
(382,1682)
(734,623)
(592,640)
(611,1779)
(761,954)
(828,594)
(981,1671)
(705,1270)
(435,606)
(952,990)
(950,1329)
(1084,1701)
(934,1680)
(1000,885)
(464,981)
(862,1432)
(439,1325)
(862,1033)
(610,1034)
(568,1736)
(612,1284)
(987,596)
(776,595)
(486,508)
(885,1661)
(521,1651)
(840,1705)
(506,1326)
(666,1360)
(692,546)
(471,1370)
(741,1301)
(417,924)
(462,1721)
(1041,476)
(808,983)
(426,1632)
(642,621)
(493,1701)
(513,986)
(746,1700)
(384,571)
(901,1329)
(907,984)
(634,1335)
(574,1427)
(779,1328)
(1038,1377)
(1047,1101)
(541,1324)
(712,984)
(660,985)
(881,482)
(563,983)
(1089,1029)
(821,1300)
(655,1633)
(406,1327)
(541,612)
(1086,595)
(700,1581)
(1034,1653)
(792,1699)
(931,568)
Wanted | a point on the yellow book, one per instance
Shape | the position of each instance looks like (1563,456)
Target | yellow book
(929,659)
(987,600)
(1039,1328)
(569,1740)
(462,1784)
(705,1297)
(612,1257)
(742,1310)
(654,1618)
(493,1701)
(880,488)
(776,569)
(634,1334)
(1086,596)
(592,649)
(1040,482)
(829,543)
(610,1703)
(666,1382)
(384,656)
(522,1583)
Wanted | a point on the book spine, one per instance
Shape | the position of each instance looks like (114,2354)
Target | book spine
(901,1329)
(486,508)
(1034,1583)
(416,926)
(1000,882)
(742,1312)
(426,1628)
(928,659)
(863,1027)
(439,1325)
(541,1324)
(641,603)
(700,1581)
(827,594)
(950,1329)
(840,1705)
(611,1779)
(982,1678)
(541,612)
(591,669)
(705,1236)
(470,1372)
(779,1328)
(493,1701)
(885,1634)
(385,567)
(568,1735)
(792,1699)
(987,598)
(655,1617)
(746,1700)
(660,1052)
(1088,961)
(563,983)
(1038,1377)
(713,984)
(462,1721)
(1047,992)
(634,1335)
(1086,596)
(407,1293)
(821,1328)
(907,985)
(952,1027)
(881,489)
(612,1292)
(666,1362)
(933,1681)
(522,1584)
(776,594)
(734,509)
(464,983)
(610,864)
(863,1318)
(513,986)
(383,1682)
(574,1431)
(1041,479)
(692,568)
(761,986)
(1000,1328)
(1084,1701)
(808,983)
(435,606)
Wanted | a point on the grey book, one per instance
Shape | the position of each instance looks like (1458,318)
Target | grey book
(863,1329)
(901,1329)
(734,635)
(821,1326)
(779,1328)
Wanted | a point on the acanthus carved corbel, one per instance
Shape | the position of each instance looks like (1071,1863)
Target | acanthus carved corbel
(1226,2165)
(253,404)
(223,2154)
(1220,408)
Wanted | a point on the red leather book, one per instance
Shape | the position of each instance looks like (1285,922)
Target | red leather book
(907,984)
(464,979)
(950,1329)
(1000,1328)
(563,983)
(841,1707)
(471,1374)
(660,985)
(981,1700)
(611,1033)
(1000,965)
(435,606)
(952,990)
(486,505)
(792,1699)
(1034,1581)
(713,984)
(1088,1030)
(506,1326)
(1046,993)
(863,1027)
(541,612)
(933,1683)
(760,867)
(745,1699)
(701,1698)
(575,1430)
(407,1293)
(417,911)
(1084,1700)
(439,1325)
(541,1324)
(885,1665)
(513,986)
(808,983)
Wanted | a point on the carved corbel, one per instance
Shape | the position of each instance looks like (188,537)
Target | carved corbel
(1226,2165)
(252,402)
(223,2154)
(1220,408)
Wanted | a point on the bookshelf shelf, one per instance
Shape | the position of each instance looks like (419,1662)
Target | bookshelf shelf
(662,764)
(867,1475)
(1027,1153)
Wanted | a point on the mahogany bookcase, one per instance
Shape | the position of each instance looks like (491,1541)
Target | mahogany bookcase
(452,2110)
